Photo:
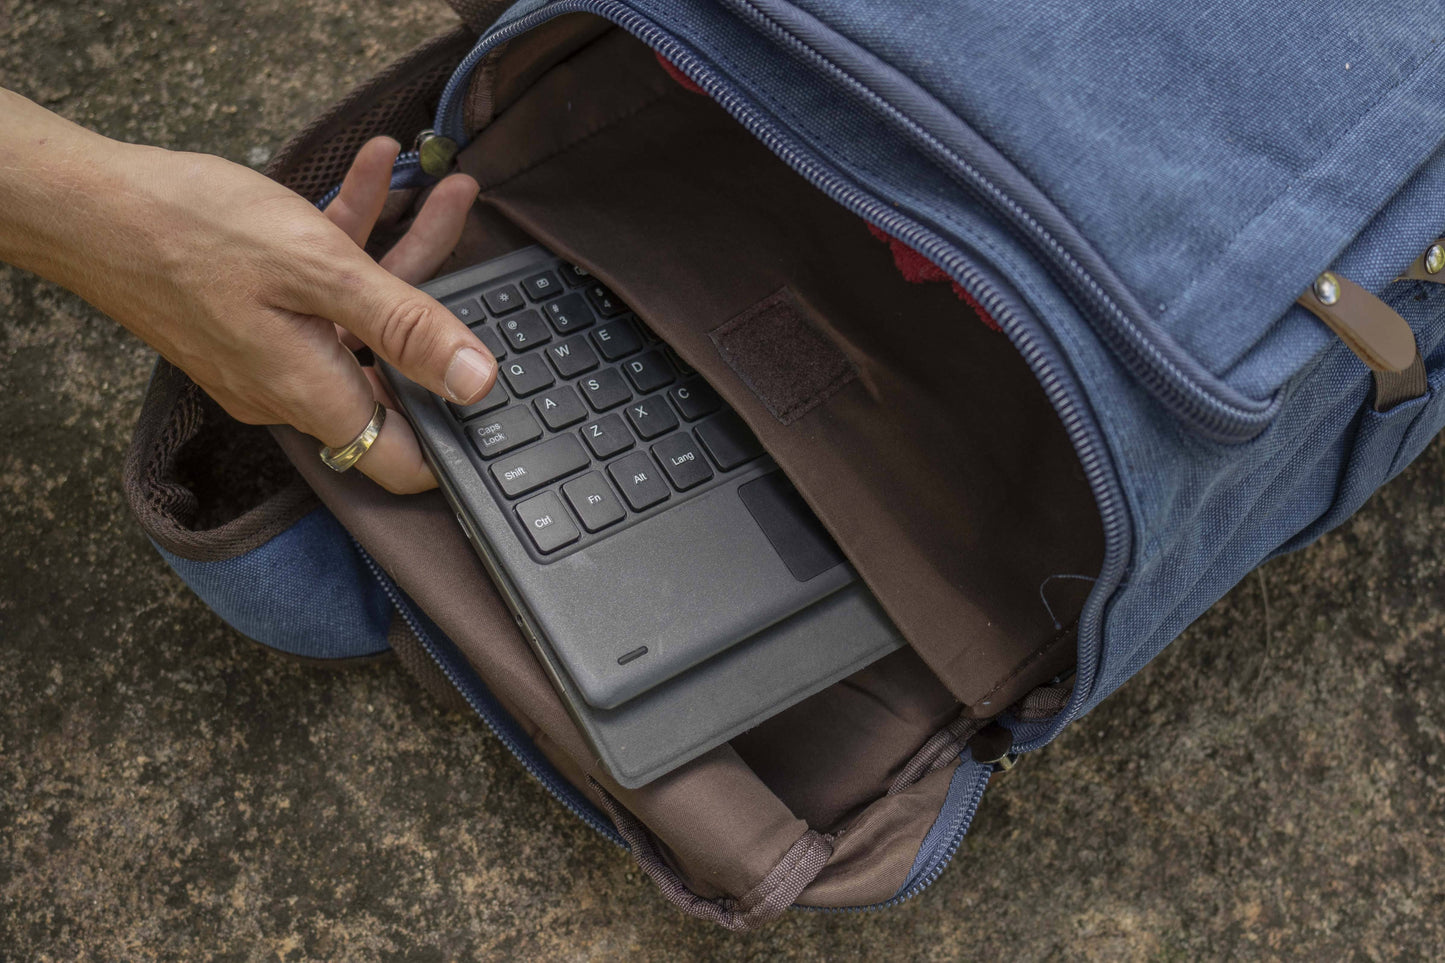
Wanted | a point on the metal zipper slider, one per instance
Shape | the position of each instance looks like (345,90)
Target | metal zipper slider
(436,152)
(993,746)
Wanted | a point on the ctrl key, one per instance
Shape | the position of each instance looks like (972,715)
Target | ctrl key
(547,522)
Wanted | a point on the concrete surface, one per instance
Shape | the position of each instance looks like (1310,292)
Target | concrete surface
(1271,787)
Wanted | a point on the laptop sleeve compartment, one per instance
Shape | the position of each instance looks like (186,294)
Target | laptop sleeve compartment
(915,432)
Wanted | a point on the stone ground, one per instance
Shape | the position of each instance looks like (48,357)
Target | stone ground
(1271,787)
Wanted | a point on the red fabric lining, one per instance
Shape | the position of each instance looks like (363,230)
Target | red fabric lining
(918,269)
(678,75)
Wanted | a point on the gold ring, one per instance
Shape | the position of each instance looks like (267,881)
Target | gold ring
(340,459)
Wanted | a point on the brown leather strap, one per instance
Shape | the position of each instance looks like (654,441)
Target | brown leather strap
(1429,266)
(1375,332)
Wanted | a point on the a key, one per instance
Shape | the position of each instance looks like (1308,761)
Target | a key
(604,301)
(467,309)
(568,314)
(728,440)
(525,330)
(547,523)
(572,357)
(605,389)
(648,372)
(639,480)
(607,436)
(651,416)
(540,286)
(616,339)
(694,399)
(527,375)
(503,431)
(536,466)
(491,401)
(591,498)
(682,459)
(560,407)
(503,299)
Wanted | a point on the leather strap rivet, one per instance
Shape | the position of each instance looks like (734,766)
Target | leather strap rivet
(1435,258)
(1327,288)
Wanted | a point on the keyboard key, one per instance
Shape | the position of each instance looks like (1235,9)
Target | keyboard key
(527,375)
(560,407)
(536,466)
(648,372)
(591,498)
(574,275)
(728,440)
(525,330)
(540,286)
(547,523)
(616,339)
(503,431)
(604,301)
(568,314)
(572,357)
(651,417)
(638,478)
(467,309)
(605,389)
(491,401)
(694,399)
(682,459)
(607,436)
(503,299)
(488,336)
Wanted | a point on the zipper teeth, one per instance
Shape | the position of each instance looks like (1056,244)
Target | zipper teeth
(406,162)
(562,793)
(1041,358)
(1159,374)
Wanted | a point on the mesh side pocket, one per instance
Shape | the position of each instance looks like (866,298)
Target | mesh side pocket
(399,102)
(203,486)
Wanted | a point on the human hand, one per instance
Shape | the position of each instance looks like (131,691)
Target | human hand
(252,291)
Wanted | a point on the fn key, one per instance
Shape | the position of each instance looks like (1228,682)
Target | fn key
(547,522)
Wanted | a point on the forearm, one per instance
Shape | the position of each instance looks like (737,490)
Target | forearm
(60,188)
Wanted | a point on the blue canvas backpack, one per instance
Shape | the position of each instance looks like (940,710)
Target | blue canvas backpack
(1121,300)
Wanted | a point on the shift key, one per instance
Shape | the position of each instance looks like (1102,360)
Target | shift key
(538,465)
(503,431)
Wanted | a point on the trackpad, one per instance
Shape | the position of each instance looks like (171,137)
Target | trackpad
(790,525)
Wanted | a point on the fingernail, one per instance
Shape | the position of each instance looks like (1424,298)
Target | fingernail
(467,375)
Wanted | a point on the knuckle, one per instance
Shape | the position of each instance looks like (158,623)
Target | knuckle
(407,332)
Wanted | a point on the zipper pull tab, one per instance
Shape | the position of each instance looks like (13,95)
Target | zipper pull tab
(436,152)
(993,746)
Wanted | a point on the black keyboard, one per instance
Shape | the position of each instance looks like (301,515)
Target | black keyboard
(594,423)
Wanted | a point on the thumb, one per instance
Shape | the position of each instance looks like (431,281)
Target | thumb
(408,328)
